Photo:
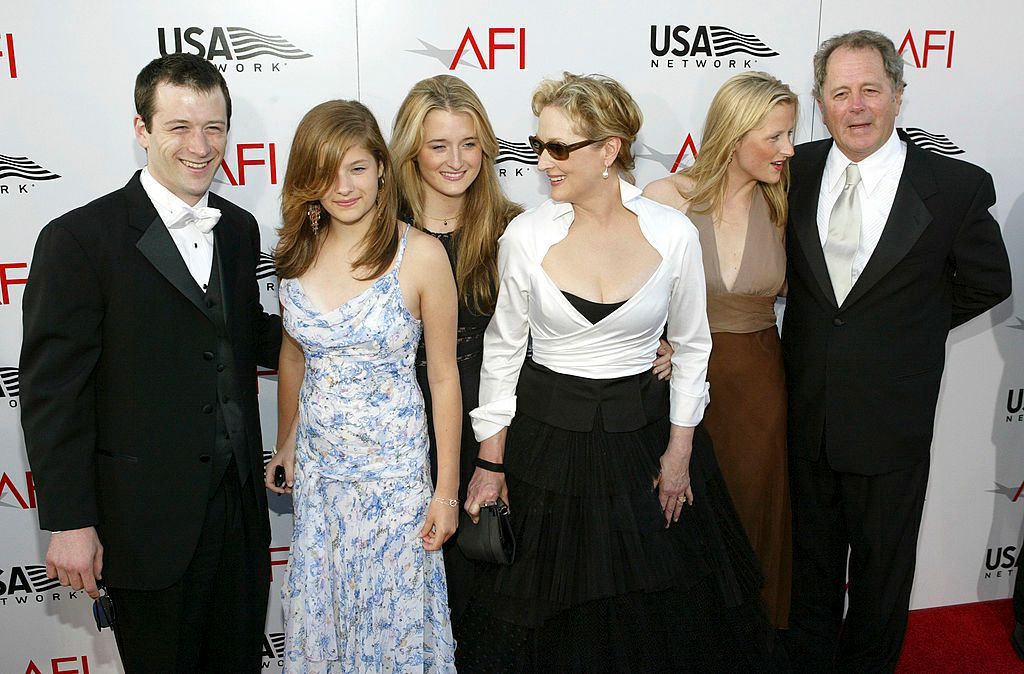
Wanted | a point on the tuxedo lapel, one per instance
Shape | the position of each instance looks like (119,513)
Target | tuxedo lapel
(907,219)
(158,247)
(803,217)
(228,244)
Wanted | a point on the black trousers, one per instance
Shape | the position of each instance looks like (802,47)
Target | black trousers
(872,522)
(213,618)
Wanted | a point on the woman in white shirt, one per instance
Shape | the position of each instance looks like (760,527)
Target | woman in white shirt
(631,557)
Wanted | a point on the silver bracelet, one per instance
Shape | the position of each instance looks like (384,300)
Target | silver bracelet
(451,502)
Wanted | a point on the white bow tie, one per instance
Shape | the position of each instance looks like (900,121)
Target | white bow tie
(204,218)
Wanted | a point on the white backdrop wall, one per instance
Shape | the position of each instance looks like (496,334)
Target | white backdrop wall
(66,79)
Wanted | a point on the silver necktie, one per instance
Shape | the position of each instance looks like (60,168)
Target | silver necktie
(844,236)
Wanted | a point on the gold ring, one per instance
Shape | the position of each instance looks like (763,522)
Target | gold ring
(682,499)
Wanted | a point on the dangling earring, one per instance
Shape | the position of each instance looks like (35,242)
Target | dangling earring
(313,212)
(604,174)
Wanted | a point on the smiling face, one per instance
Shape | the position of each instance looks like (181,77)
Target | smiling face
(577,176)
(185,144)
(762,152)
(352,199)
(449,159)
(858,102)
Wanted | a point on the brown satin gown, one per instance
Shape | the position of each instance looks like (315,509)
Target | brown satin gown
(747,415)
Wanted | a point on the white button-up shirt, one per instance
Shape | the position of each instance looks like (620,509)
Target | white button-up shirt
(196,248)
(879,179)
(624,343)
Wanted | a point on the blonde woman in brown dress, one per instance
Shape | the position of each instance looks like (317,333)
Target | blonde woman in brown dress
(735,193)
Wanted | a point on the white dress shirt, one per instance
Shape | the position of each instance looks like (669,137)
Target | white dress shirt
(196,248)
(879,178)
(624,343)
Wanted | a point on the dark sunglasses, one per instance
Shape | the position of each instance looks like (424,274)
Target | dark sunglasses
(103,609)
(559,151)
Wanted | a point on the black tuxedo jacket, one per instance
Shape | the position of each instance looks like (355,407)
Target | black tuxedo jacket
(863,378)
(119,382)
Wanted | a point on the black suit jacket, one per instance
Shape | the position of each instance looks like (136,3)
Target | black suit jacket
(118,383)
(864,377)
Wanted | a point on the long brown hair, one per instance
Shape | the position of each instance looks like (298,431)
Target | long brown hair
(740,105)
(322,138)
(485,210)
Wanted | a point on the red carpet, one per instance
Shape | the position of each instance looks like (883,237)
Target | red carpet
(965,638)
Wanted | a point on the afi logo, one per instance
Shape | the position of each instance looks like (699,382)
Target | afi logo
(231,43)
(671,162)
(278,557)
(7,51)
(688,146)
(11,276)
(933,40)
(71,665)
(259,154)
(498,39)
(17,493)
(1010,492)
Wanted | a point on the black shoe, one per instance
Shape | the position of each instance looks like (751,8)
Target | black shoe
(1017,640)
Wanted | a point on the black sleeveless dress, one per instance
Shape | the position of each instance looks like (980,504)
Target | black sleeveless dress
(469,355)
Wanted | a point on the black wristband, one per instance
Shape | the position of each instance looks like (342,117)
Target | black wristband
(489,465)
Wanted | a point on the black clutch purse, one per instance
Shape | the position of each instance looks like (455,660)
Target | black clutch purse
(490,540)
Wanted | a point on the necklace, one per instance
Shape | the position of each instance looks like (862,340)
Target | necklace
(444,221)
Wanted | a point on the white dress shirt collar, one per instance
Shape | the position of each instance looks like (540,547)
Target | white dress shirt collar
(872,169)
(627,193)
(168,205)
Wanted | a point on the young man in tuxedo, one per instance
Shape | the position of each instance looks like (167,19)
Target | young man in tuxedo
(889,247)
(142,332)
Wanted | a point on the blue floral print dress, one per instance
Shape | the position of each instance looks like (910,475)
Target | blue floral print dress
(360,593)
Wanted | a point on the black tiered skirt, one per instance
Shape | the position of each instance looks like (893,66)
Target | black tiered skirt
(599,584)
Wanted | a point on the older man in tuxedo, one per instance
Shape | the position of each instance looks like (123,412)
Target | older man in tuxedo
(889,248)
(142,333)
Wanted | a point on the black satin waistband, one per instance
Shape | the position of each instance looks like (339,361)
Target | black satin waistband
(573,403)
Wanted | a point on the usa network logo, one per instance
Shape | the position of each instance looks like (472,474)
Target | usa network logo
(1015,402)
(509,153)
(17,490)
(480,49)
(273,648)
(18,174)
(933,142)
(28,584)
(1000,561)
(705,47)
(10,387)
(233,43)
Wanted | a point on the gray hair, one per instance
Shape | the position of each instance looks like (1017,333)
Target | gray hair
(859,39)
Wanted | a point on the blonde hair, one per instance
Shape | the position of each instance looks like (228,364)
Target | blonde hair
(322,138)
(599,108)
(485,211)
(741,105)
